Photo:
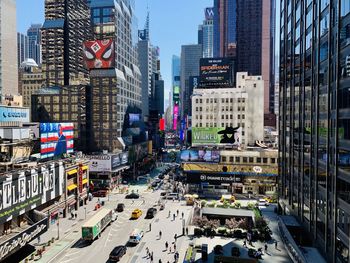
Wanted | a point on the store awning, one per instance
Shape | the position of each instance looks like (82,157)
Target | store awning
(71,187)
(74,171)
(85,167)
(85,181)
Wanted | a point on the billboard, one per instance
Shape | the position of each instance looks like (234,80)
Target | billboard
(124,158)
(56,139)
(14,114)
(22,191)
(99,54)
(213,179)
(216,135)
(176,115)
(138,152)
(134,117)
(216,71)
(161,124)
(194,83)
(176,95)
(209,13)
(200,156)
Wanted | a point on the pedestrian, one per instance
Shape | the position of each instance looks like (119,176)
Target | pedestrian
(174,217)
(160,234)
(244,243)
(160,261)
(265,247)
(76,215)
(150,227)
(144,201)
(175,237)
(169,213)
(174,247)
(166,245)
(186,231)
(72,214)
(147,251)
(152,257)
(177,212)
(276,244)
(182,214)
(169,250)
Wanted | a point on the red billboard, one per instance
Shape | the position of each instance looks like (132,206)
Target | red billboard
(161,124)
(99,54)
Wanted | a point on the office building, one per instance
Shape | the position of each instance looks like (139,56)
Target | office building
(207,30)
(66,27)
(30,80)
(8,54)
(34,42)
(232,107)
(22,48)
(314,183)
(190,56)
(224,28)
(116,89)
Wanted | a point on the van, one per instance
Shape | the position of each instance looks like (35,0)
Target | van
(172,196)
(136,236)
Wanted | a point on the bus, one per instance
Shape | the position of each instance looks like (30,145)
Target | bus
(95,225)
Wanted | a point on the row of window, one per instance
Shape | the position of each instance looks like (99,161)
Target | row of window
(252,160)
(215,100)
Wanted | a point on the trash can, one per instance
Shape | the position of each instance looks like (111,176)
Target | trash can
(205,252)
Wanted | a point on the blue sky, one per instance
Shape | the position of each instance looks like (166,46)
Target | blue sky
(173,23)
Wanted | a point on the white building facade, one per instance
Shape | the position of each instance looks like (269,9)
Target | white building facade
(242,106)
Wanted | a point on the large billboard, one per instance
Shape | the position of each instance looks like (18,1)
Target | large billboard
(216,72)
(99,54)
(23,191)
(56,139)
(14,114)
(200,156)
(106,162)
(138,152)
(176,116)
(216,135)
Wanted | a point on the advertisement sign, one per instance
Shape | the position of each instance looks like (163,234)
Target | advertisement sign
(216,135)
(25,190)
(200,156)
(115,161)
(20,240)
(213,179)
(133,118)
(216,71)
(80,174)
(56,139)
(209,13)
(176,95)
(14,114)
(161,124)
(99,54)
(100,163)
(194,82)
(124,157)
(176,115)
(137,152)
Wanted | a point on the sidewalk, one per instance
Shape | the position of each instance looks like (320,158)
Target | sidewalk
(68,231)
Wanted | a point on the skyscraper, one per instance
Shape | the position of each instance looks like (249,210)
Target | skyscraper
(224,27)
(8,54)
(190,56)
(22,48)
(207,33)
(314,119)
(34,42)
(66,26)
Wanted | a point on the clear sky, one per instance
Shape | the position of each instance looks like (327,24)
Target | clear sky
(172,23)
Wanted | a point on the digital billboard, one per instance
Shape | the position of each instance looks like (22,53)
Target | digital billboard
(161,124)
(14,114)
(176,115)
(176,95)
(216,71)
(200,156)
(99,54)
(194,82)
(56,139)
(216,135)
(134,117)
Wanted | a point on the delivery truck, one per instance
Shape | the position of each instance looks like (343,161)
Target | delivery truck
(95,225)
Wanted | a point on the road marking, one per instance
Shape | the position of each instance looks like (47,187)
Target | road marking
(71,253)
(69,229)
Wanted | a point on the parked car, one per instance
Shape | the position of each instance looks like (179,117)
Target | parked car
(235,252)
(218,250)
(114,216)
(161,176)
(120,207)
(136,213)
(154,184)
(117,253)
(132,196)
(151,212)
(263,202)
(163,193)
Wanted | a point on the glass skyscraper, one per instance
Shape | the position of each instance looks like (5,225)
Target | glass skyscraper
(314,113)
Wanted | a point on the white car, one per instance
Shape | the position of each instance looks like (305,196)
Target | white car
(263,202)
(114,216)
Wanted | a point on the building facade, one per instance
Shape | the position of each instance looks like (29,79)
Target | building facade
(66,27)
(208,33)
(8,54)
(232,107)
(314,182)
(22,48)
(34,42)
(190,56)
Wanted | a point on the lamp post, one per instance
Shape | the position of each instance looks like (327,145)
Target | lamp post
(58,229)
(85,212)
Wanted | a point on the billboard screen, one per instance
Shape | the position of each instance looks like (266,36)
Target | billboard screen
(56,139)
(194,82)
(200,156)
(161,124)
(215,71)
(99,54)
(134,117)
(14,114)
(216,135)
(176,95)
(176,115)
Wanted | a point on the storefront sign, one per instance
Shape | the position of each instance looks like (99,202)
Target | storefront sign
(124,157)
(23,238)
(80,174)
(25,190)
(217,179)
(100,163)
(14,114)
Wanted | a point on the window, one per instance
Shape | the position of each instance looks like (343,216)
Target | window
(258,160)
(196,100)
(231,100)
(273,160)
(264,160)
(239,117)
(238,159)
(245,159)
(243,117)
(223,159)
(231,159)
(344,8)
(254,85)
(251,159)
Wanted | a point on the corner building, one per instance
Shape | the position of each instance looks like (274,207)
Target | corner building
(314,182)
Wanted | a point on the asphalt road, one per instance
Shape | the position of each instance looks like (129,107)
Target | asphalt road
(118,232)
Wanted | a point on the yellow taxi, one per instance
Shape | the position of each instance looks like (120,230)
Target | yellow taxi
(136,213)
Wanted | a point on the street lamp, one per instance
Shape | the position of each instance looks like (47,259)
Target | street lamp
(58,229)
(85,212)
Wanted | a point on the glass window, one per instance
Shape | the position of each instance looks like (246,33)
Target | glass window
(96,20)
(251,159)
(238,159)
(324,3)
(107,11)
(96,12)
(309,18)
(258,160)
(324,25)
(245,159)
(345,32)
(308,40)
(324,51)
(345,7)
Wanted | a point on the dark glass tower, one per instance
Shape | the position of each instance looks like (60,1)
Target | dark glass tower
(314,183)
